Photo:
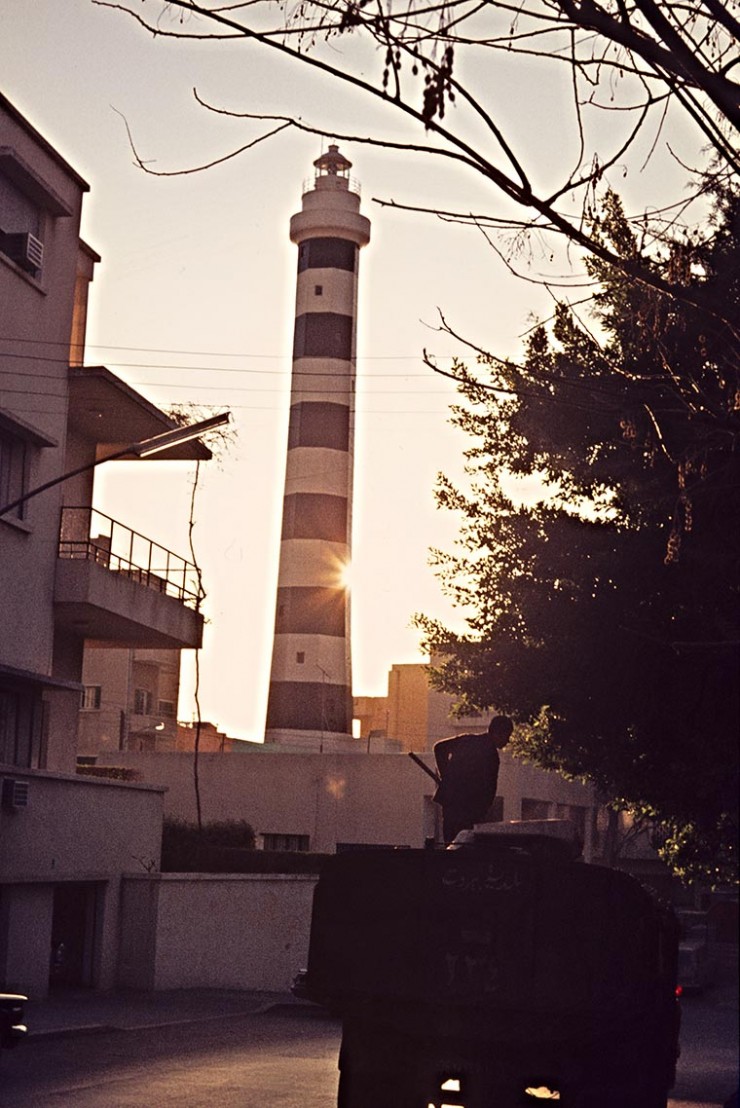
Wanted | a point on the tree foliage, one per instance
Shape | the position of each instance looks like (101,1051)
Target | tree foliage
(606,614)
(633,68)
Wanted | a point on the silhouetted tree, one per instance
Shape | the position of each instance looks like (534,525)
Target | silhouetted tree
(607,614)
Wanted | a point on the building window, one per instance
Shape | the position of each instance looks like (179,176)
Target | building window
(90,696)
(142,702)
(8,726)
(21,228)
(285,842)
(13,471)
(21,726)
(167,709)
(535,809)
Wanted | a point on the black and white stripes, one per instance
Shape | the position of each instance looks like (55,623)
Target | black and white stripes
(310,694)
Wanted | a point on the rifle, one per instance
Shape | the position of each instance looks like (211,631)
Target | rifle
(415,757)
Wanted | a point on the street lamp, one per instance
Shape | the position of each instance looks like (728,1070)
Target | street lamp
(176,437)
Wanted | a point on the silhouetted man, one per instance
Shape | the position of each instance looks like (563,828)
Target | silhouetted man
(468,770)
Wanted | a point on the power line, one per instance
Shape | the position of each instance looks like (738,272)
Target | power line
(197,353)
(359,411)
(190,369)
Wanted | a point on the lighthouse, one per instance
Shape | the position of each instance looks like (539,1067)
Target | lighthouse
(310,697)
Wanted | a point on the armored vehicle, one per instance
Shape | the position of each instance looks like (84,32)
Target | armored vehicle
(495,973)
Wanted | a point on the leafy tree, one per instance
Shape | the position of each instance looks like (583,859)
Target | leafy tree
(606,614)
(631,67)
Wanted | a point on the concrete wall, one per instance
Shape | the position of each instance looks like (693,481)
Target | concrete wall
(332,798)
(118,609)
(184,931)
(75,831)
(79,826)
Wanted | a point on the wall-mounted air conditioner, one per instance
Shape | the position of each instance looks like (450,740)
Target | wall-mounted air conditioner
(15,793)
(24,249)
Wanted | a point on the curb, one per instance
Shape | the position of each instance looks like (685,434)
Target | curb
(69,1032)
(101,1028)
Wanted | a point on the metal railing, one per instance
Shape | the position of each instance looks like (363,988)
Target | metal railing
(353,185)
(86,534)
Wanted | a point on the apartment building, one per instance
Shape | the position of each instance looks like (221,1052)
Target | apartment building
(129,700)
(69,576)
(412,715)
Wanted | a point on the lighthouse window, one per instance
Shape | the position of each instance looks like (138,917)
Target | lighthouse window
(300,657)
(327,253)
(319,290)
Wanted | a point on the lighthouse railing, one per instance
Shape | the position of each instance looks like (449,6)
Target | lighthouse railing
(353,185)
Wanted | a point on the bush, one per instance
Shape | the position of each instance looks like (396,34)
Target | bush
(112,773)
(182,842)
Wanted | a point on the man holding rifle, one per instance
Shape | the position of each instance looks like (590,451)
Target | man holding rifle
(467,775)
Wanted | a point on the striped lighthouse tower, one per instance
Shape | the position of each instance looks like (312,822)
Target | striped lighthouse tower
(310,698)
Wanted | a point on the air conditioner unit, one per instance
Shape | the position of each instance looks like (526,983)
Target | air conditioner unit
(15,793)
(25,250)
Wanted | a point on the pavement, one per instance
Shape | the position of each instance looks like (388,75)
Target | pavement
(81,1011)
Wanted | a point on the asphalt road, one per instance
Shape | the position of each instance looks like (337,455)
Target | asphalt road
(276,1060)
(285,1058)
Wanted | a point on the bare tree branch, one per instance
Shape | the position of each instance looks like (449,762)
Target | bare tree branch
(673,54)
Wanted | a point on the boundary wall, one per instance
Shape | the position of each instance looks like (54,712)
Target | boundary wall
(233,931)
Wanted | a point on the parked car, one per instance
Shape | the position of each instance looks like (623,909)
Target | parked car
(12,1027)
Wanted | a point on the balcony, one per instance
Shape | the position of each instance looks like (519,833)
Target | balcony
(117,588)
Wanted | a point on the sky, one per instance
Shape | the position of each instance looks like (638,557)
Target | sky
(193,304)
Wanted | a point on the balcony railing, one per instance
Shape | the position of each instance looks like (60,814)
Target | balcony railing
(127,553)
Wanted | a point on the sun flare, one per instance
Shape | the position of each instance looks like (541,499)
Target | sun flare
(344,575)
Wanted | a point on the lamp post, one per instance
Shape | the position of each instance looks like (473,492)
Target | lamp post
(176,437)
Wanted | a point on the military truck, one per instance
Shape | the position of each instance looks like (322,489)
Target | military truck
(499,972)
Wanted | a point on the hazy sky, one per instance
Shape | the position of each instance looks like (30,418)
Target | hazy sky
(193,303)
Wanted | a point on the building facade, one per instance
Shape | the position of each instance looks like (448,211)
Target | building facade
(412,715)
(69,575)
(129,700)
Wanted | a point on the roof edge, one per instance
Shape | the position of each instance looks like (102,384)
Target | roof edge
(45,145)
